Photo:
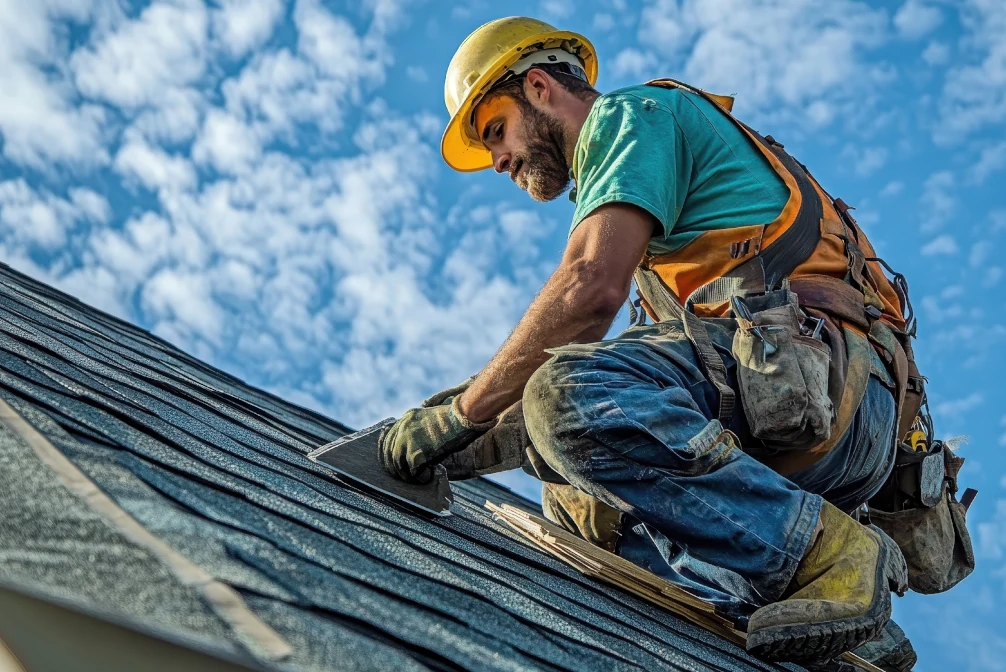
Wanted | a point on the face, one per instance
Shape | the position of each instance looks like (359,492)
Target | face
(526,142)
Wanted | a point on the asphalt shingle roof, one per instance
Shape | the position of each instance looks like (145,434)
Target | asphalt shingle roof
(217,470)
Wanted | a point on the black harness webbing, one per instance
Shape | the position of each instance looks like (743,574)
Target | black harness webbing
(763,271)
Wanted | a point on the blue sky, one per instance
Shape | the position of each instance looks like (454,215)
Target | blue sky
(258,182)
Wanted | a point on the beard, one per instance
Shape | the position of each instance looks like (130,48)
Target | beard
(545,173)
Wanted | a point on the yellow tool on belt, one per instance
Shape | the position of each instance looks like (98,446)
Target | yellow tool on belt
(917,438)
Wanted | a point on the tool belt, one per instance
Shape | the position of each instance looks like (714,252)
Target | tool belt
(919,509)
(810,299)
(786,375)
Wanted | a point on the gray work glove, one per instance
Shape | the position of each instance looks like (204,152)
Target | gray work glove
(424,437)
(446,396)
(502,448)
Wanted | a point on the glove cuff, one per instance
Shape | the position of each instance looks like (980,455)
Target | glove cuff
(480,427)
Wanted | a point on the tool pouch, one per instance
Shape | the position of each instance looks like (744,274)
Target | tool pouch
(782,371)
(918,508)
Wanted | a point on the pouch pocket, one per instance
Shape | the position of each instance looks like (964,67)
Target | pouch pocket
(933,538)
(935,542)
(782,374)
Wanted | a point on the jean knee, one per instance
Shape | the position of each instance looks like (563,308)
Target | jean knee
(550,411)
(540,402)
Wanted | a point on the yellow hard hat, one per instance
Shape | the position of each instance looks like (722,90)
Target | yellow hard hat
(482,59)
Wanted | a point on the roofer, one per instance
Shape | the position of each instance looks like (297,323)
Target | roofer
(764,403)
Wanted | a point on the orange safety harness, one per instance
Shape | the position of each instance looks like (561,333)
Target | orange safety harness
(817,246)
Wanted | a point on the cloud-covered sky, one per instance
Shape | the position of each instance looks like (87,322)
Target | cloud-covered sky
(258,182)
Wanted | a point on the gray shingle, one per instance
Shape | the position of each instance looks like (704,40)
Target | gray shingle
(218,470)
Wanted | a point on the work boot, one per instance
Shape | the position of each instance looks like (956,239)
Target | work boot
(890,651)
(839,598)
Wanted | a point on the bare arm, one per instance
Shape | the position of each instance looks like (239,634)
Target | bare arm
(577,304)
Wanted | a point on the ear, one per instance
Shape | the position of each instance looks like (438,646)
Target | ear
(538,87)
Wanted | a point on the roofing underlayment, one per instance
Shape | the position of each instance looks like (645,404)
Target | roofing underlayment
(143,486)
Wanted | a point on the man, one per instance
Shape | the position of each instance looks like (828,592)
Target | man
(671,189)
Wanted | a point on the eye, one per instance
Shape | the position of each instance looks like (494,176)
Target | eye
(498,132)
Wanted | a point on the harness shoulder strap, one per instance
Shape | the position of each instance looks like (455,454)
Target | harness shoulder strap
(772,263)
(712,364)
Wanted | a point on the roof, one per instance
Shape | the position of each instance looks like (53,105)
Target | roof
(243,546)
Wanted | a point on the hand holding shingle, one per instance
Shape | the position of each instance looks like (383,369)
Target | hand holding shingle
(423,437)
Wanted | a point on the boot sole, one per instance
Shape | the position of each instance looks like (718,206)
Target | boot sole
(814,642)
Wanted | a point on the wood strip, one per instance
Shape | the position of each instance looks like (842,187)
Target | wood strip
(8,661)
(252,631)
(619,572)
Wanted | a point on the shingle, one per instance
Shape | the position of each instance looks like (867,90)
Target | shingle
(217,469)
(51,541)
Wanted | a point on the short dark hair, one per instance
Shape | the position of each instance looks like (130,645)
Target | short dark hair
(560,72)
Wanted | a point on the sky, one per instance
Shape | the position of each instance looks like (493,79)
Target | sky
(259,183)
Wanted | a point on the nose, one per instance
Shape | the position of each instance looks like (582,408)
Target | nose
(502,163)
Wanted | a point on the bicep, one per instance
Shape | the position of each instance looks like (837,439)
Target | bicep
(609,243)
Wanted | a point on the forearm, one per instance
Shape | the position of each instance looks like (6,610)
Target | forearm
(569,309)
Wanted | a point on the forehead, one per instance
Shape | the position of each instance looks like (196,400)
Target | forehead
(495,107)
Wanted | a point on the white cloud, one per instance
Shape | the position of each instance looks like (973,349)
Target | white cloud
(974,93)
(174,119)
(992,276)
(152,167)
(331,43)
(936,53)
(992,534)
(998,220)
(32,220)
(951,409)
(941,245)
(603,22)
(278,90)
(557,9)
(185,304)
(146,59)
(226,143)
(980,252)
(242,25)
(991,159)
(938,202)
(916,19)
(632,63)
(866,160)
(417,74)
(41,122)
(806,57)
(90,205)
(892,188)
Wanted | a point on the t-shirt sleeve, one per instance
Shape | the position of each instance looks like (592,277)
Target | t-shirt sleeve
(631,150)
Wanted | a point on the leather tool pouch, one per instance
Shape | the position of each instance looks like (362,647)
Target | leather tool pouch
(782,371)
(918,508)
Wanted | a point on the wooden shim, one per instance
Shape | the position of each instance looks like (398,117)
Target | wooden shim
(609,568)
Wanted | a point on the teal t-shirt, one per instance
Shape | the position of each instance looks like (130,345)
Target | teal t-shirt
(678,157)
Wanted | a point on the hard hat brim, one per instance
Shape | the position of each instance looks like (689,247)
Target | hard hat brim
(467,154)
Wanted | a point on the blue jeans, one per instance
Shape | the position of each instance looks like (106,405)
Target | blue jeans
(631,421)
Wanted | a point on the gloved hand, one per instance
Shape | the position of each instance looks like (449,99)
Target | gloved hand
(502,448)
(446,396)
(423,437)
